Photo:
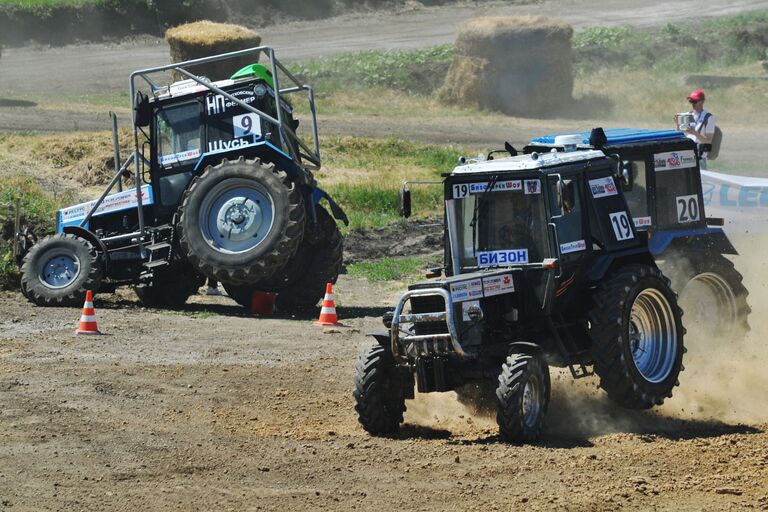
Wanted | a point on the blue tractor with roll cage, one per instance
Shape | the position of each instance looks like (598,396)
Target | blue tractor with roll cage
(225,191)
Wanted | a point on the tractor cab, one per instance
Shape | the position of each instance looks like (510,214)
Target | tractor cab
(660,177)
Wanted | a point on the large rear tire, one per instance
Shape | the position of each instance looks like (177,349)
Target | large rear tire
(637,336)
(301,284)
(58,270)
(241,221)
(170,288)
(379,392)
(522,398)
(713,296)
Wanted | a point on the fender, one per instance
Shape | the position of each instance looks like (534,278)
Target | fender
(382,338)
(264,150)
(602,264)
(318,194)
(524,347)
(705,240)
(92,238)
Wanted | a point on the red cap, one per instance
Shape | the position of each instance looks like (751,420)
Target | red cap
(696,95)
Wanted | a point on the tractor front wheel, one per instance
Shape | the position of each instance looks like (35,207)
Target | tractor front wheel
(522,398)
(58,270)
(379,392)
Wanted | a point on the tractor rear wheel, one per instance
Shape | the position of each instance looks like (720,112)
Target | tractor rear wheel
(522,398)
(58,270)
(713,296)
(170,288)
(241,221)
(301,284)
(637,335)
(379,392)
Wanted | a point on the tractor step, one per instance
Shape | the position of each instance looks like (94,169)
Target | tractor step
(580,371)
(156,263)
(158,246)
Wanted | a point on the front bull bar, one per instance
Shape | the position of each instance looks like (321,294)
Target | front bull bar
(439,316)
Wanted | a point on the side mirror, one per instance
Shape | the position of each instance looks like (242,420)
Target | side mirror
(405,202)
(142,112)
(627,175)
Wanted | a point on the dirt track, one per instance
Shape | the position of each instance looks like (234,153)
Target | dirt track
(201,411)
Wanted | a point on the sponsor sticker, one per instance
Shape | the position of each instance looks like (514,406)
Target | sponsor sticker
(504,257)
(603,187)
(673,160)
(223,145)
(575,246)
(466,290)
(496,285)
(464,189)
(216,104)
(179,157)
(641,222)
(111,203)
(532,187)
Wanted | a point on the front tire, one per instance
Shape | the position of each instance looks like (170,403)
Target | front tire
(522,398)
(58,270)
(241,221)
(379,392)
(169,289)
(637,335)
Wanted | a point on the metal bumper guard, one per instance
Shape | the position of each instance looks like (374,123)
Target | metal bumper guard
(411,318)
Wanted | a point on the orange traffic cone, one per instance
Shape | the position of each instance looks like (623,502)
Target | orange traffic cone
(88,320)
(328,313)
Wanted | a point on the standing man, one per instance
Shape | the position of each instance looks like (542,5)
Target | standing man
(703,130)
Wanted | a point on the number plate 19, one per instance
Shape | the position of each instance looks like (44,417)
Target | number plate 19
(621,226)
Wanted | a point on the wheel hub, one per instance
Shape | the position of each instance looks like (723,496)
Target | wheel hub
(653,336)
(530,402)
(236,216)
(239,219)
(59,271)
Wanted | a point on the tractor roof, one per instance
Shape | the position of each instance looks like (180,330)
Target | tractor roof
(529,162)
(617,136)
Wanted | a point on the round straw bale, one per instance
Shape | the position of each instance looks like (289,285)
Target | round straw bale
(516,65)
(205,38)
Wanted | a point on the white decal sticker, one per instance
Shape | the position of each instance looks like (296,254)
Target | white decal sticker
(505,257)
(603,187)
(465,308)
(179,157)
(247,125)
(532,187)
(111,203)
(641,222)
(578,245)
(687,208)
(464,189)
(223,145)
(621,227)
(216,104)
(496,285)
(674,160)
(466,290)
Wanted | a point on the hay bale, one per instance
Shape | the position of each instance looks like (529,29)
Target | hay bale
(205,38)
(516,65)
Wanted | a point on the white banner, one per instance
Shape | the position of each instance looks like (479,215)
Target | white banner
(741,200)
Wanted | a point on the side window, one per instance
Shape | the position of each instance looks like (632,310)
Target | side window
(677,193)
(177,131)
(637,195)
(570,228)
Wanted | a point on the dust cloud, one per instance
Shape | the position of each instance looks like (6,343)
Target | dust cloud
(724,379)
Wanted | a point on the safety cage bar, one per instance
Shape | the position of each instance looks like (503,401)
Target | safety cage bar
(446,316)
(285,131)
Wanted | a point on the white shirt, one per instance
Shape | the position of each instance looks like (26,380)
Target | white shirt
(708,130)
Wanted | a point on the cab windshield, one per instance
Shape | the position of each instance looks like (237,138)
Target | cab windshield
(501,227)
